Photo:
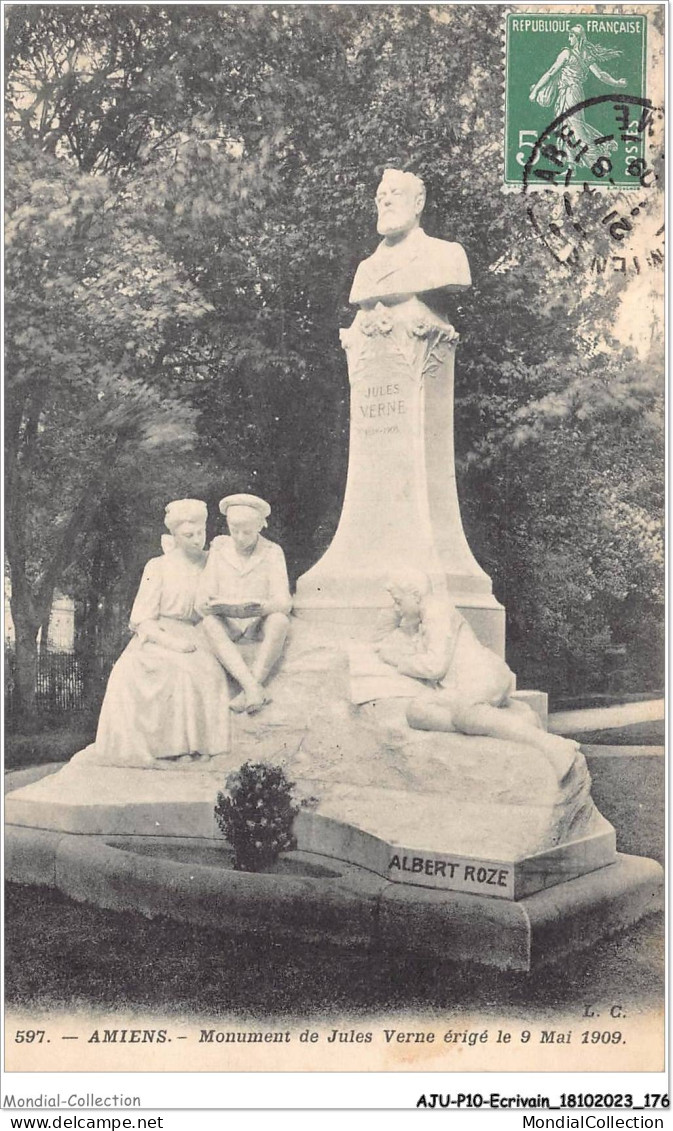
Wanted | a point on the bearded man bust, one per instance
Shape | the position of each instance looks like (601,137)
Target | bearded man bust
(407,262)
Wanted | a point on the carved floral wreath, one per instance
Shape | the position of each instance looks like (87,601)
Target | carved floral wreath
(378,321)
(423,328)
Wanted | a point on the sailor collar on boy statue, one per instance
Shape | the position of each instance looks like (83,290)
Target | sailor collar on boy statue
(225,546)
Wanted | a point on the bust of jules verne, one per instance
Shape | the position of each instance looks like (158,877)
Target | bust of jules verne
(407,261)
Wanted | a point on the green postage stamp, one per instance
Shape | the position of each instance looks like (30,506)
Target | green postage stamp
(576,108)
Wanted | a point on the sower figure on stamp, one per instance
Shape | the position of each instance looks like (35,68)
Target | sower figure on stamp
(469,687)
(564,85)
(244,595)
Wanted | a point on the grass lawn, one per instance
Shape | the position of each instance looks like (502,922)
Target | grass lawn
(65,955)
(47,740)
(651,732)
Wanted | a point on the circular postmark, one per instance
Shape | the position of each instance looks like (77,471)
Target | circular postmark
(565,163)
(576,165)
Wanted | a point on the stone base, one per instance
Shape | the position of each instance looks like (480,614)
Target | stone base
(484,614)
(533,932)
(111,801)
(193,882)
(538,701)
(444,810)
(415,861)
(408,837)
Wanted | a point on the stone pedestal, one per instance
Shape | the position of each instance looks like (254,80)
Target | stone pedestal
(448,811)
(401,503)
(341,904)
(442,844)
(406,836)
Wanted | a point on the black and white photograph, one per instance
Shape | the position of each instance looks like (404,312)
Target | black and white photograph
(334,504)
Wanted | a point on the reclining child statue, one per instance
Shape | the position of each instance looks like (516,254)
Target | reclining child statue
(463,686)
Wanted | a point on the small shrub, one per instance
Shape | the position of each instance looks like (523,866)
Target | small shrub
(256,815)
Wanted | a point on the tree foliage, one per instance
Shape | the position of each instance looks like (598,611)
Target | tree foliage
(92,396)
(190,190)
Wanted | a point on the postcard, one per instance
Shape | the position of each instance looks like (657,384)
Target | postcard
(334,592)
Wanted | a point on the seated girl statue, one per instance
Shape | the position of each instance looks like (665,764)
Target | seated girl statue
(244,595)
(467,687)
(167,699)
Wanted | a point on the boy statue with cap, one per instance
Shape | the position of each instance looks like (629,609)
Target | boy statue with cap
(244,594)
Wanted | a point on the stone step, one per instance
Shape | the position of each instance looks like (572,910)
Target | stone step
(192,881)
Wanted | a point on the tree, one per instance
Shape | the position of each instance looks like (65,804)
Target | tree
(88,300)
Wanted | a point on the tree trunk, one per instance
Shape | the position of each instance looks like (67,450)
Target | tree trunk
(89,654)
(28,615)
(26,662)
(92,642)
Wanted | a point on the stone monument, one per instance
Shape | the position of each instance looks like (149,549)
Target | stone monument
(401,501)
(488,819)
